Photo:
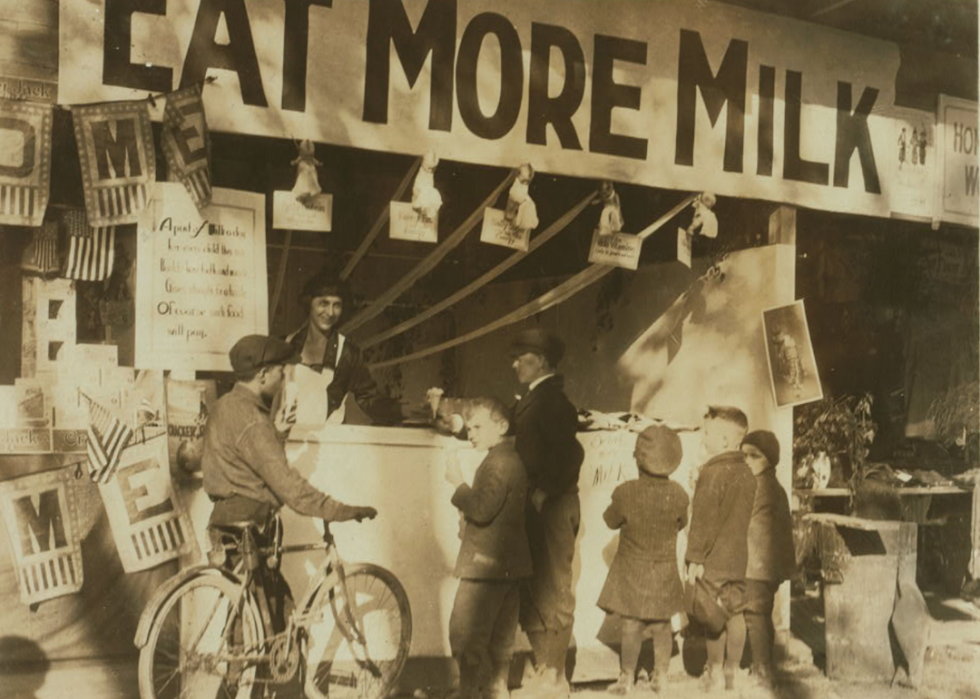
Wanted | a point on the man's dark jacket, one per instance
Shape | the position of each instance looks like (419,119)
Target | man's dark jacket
(545,422)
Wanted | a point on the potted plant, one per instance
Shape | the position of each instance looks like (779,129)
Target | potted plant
(956,416)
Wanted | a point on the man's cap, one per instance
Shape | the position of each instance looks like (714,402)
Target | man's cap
(766,442)
(253,352)
(658,450)
(539,341)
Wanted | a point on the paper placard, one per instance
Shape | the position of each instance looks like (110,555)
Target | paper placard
(958,183)
(407,224)
(32,403)
(147,520)
(41,519)
(684,241)
(290,214)
(498,231)
(202,281)
(618,250)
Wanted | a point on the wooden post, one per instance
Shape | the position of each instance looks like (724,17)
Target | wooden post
(280,277)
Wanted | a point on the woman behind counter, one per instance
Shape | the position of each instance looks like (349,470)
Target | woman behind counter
(337,364)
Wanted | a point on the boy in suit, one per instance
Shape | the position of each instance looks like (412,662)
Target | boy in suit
(493,556)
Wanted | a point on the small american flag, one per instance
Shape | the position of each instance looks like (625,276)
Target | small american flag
(107,437)
(91,251)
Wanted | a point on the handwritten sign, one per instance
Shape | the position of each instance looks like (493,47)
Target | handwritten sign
(408,224)
(618,249)
(498,231)
(202,281)
(290,214)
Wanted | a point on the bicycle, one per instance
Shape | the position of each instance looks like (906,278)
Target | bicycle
(202,635)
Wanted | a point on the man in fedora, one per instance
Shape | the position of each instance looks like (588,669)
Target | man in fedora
(545,422)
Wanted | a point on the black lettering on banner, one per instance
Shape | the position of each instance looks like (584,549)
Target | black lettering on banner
(45,522)
(28,133)
(607,95)
(558,110)
(117,67)
(238,55)
(118,150)
(852,133)
(505,116)
(183,137)
(131,494)
(767,95)
(727,87)
(795,167)
(295,50)
(388,25)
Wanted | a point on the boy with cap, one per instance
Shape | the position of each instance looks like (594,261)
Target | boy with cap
(771,556)
(493,556)
(246,473)
(643,585)
(545,423)
(717,544)
(318,344)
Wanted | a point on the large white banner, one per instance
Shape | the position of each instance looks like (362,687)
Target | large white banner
(202,278)
(666,93)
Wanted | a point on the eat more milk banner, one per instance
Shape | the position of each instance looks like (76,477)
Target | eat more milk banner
(672,93)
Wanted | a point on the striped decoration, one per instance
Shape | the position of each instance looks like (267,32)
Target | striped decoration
(91,251)
(161,538)
(25,138)
(41,255)
(107,437)
(121,201)
(186,143)
(49,577)
(199,185)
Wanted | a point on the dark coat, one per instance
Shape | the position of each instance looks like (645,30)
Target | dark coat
(723,501)
(545,423)
(351,375)
(771,552)
(494,539)
(643,580)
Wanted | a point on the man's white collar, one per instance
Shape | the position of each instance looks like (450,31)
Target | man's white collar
(530,386)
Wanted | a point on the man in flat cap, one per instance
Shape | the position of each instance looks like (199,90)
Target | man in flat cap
(545,422)
(339,362)
(246,474)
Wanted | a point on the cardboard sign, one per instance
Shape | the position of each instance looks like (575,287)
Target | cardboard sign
(498,231)
(958,184)
(405,223)
(290,214)
(147,519)
(202,281)
(618,250)
(41,519)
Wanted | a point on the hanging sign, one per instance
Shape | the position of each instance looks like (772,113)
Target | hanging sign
(314,214)
(684,245)
(672,94)
(958,183)
(41,519)
(202,281)
(115,149)
(25,162)
(405,223)
(187,143)
(147,519)
(617,249)
(497,230)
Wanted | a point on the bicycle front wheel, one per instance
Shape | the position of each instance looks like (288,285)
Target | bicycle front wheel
(360,649)
(196,644)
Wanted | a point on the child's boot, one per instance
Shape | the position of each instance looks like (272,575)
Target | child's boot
(624,685)
(498,680)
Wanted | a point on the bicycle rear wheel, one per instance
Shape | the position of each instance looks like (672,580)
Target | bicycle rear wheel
(338,664)
(187,653)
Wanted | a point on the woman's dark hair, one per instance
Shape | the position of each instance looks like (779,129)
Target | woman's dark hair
(326,283)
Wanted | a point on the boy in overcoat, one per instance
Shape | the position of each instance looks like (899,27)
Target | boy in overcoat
(771,556)
(493,556)
(717,544)
(643,585)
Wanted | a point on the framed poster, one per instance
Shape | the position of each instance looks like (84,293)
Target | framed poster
(792,366)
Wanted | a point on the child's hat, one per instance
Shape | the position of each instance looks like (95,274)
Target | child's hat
(766,442)
(658,450)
